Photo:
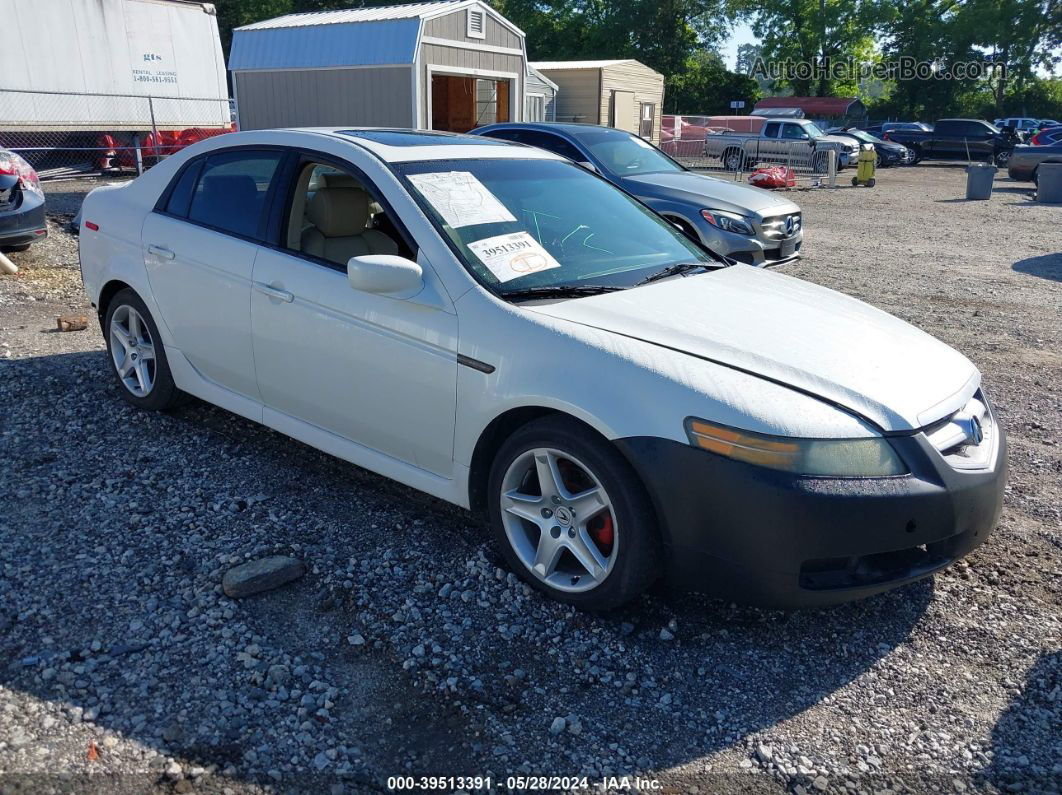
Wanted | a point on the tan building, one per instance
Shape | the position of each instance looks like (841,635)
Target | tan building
(625,94)
(451,65)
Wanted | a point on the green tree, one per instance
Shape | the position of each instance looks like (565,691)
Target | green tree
(815,32)
(706,87)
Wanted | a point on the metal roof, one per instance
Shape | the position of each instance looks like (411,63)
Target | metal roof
(579,64)
(812,106)
(347,15)
(322,46)
(342,38)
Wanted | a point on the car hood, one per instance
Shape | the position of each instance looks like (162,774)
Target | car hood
(848,143)
(795,333)
(889,146)
(712,193)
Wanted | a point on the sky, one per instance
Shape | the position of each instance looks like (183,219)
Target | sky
(742,35)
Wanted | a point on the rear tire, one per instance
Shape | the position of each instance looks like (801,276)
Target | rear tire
(1002,158)
(561,496)
(137,355)
(15,249)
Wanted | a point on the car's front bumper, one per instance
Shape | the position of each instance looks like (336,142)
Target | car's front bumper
(759,249)
(761,536)
(24,222)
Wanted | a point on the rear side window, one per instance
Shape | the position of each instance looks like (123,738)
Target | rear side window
(949,128)
(551,143)
(230,194)
(181,195)
(771,130)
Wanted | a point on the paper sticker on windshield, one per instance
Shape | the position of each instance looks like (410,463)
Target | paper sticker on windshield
(511,256)
(641,142)
(461,199)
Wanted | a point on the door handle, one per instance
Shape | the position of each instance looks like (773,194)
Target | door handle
(273,292)
(161,251)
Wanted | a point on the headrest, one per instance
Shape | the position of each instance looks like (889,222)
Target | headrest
(339,212)
(340,181)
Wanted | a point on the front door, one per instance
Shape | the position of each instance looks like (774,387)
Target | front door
(199,251)
(376,370)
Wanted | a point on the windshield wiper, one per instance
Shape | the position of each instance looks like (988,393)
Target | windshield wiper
(675,270)
(561,291)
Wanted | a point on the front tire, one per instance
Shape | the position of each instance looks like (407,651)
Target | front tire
(1002,158)
(137,355)
(571,516)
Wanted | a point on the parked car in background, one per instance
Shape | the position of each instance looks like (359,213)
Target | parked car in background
(748,224)
(1046,136)
(21,203)
(1047,123)
(776,141)
(917,126)
(888,152)
(497,327)
(1025,160)
(1022,124)
(958,139)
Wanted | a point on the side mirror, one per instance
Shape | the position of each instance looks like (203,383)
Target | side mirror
(587,165)
(385,274)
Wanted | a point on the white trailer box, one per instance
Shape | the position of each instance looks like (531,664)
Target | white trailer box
(90,64)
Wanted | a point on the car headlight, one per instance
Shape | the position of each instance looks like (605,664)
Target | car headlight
(728,222)
(844,458)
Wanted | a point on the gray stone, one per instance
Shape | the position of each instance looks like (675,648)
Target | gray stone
(256,576)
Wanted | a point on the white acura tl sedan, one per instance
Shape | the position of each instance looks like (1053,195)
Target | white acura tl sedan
(496,326)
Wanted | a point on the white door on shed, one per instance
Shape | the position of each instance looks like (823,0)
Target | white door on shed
(624,111)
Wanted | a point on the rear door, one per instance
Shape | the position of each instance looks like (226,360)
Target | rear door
(199,247)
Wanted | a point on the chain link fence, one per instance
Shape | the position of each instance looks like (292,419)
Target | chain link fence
(68,135)
(737,154)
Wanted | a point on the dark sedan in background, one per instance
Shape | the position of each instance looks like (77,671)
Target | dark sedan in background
(21,203)
(748,224)
(1025,160)
(889,153)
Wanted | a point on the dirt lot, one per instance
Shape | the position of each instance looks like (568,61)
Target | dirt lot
(406,650)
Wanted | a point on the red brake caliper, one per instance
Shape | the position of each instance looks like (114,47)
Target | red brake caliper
(602,531)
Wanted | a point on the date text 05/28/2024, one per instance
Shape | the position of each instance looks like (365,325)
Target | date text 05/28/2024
(528,783)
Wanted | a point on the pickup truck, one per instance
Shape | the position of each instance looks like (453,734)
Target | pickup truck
(958,139)
(777,141)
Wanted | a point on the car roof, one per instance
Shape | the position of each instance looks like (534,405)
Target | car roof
(573,129)
(396,145)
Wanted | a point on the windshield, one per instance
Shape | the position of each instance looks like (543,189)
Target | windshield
(865,137)
(813,130)
(624,154)
(519,224)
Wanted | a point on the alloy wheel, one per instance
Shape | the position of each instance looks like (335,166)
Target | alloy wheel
(132,350)
(559,520)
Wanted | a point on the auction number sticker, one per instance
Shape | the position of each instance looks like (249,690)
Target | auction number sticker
(514,255)
(461,199)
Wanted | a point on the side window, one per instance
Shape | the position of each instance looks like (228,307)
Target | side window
(231,192)
(771,130)
(552,143)
(793,132)
(181,194)
(505,135)
(335,216)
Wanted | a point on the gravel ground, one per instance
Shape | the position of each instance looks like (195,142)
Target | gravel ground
(406,649)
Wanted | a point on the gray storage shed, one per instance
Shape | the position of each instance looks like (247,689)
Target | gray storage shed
(541,101)
(450,65)
(624,93)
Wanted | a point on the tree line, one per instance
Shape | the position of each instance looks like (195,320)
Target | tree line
(849,45)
